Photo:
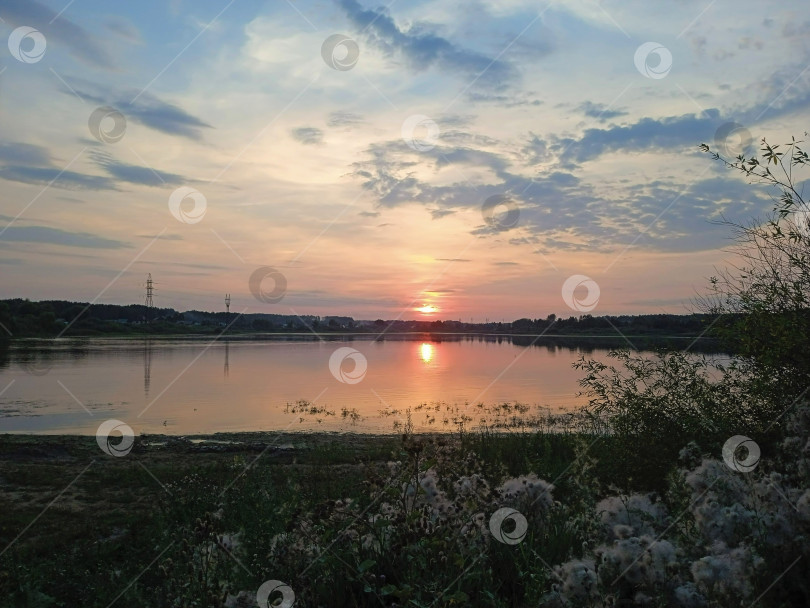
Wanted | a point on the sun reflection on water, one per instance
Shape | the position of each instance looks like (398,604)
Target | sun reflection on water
(426,352)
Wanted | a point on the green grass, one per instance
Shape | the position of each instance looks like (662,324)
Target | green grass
(111,522)
(146,529)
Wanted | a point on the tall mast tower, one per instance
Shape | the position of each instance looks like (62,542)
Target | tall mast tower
(228,303)
(149,291)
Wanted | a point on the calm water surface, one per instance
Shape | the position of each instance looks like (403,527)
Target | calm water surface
(187,386)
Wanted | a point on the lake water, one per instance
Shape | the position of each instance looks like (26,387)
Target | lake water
(191,386)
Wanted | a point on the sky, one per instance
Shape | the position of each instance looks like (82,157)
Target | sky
(484,159)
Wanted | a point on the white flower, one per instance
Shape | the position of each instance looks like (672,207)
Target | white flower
(634,515)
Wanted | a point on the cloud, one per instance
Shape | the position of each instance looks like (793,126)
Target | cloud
(162,116)
(599,111)
(163,237)
(440,213)
(344,119)
(670,132)
(26,154)
(44,176)
(55,236)
(49,174)
(146,109)
(135,174)
(311,136)
(558,209)
(79,42)
(510,101)
(423,49)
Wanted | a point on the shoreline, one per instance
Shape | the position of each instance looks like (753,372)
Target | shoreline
(376,335)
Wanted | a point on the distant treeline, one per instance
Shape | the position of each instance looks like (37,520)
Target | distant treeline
(48,318)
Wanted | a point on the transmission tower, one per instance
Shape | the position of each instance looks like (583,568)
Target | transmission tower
(228,303)
(149,291)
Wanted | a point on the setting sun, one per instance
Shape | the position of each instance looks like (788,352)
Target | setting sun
(427,309)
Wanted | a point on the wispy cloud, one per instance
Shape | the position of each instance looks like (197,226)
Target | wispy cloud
(134,174)
(308,135)
(80,42)
(44,176)
(148,110)
(55,236)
